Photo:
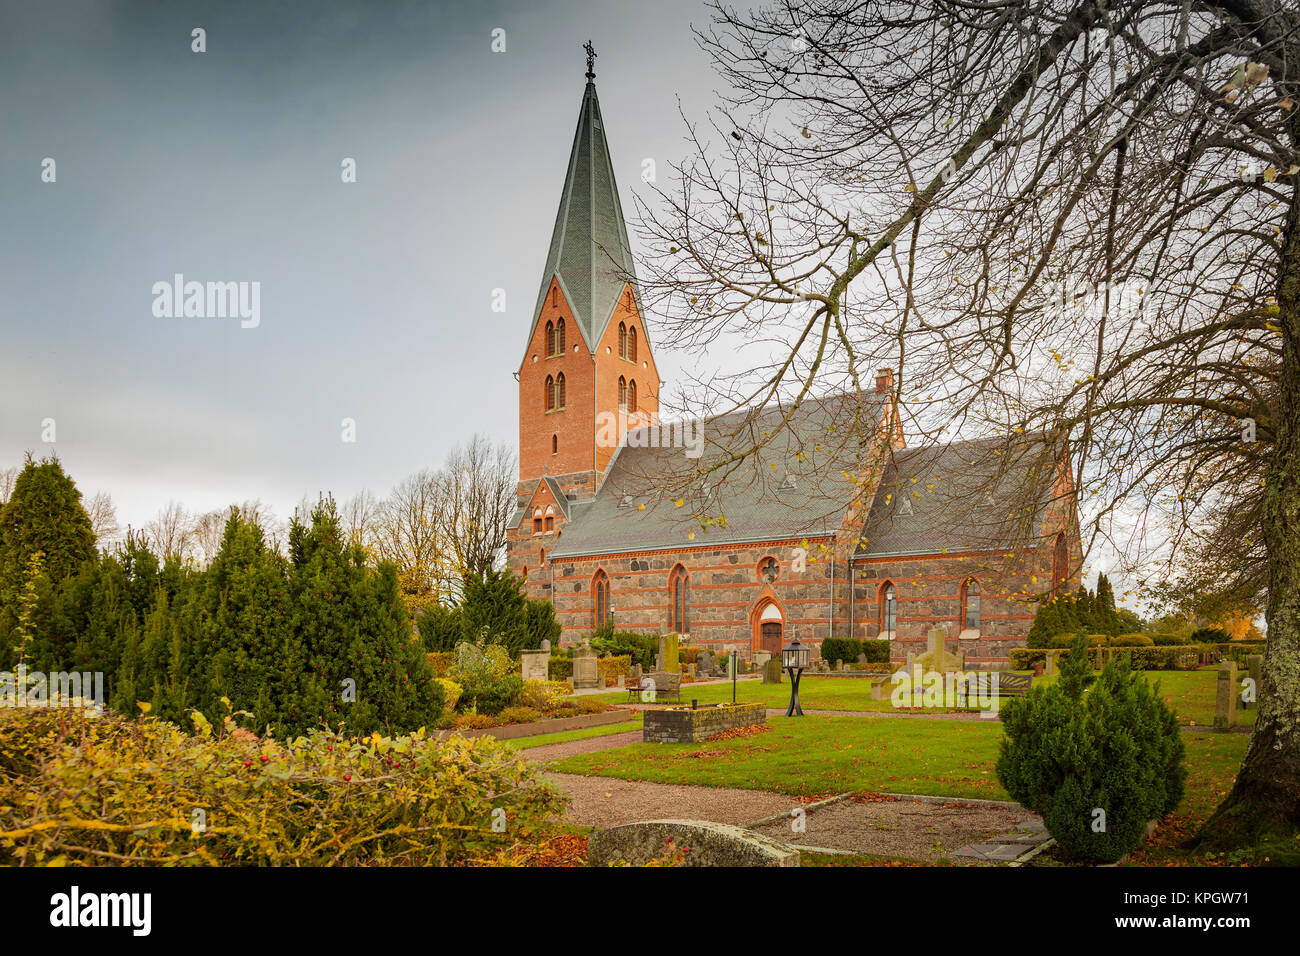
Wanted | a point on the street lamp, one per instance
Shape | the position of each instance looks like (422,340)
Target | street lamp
(794,658)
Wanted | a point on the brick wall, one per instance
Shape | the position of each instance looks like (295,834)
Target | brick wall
(692,726)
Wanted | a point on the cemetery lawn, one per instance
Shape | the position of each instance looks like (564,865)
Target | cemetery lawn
(821,756)
(1190,693)
(564,736)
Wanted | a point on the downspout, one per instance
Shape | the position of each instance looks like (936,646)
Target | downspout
(852,594)
(830,630)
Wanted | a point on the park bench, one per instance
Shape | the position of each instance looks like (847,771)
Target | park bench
(666,686)
(1008,685)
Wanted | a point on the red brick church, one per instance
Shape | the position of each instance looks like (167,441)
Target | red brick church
(815,540)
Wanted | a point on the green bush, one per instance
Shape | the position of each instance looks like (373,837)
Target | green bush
(877,651)
(844,649)
(561,667)
(1167,640)
(493,697)
(1209,635)
(641,648)
(1132,640)
(1070,751)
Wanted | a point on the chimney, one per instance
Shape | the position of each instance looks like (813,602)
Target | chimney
(884,381)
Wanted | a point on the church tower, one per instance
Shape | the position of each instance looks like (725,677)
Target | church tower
(587,372)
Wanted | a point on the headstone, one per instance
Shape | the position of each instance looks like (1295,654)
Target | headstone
(772,672)
(937,660)
(546,645)
(1255,669)
(761,658)
(669,660)
(882,688)
(619,682)
(535,665)
(836,664)
(690,669)
(585,670)
(1225,701)
(636,675)
(862,658)
(1049,662)
(703,662)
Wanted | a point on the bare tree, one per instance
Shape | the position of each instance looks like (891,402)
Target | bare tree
(208,531)
(7,478)
(1072,219)
(170,532)
(103,520)
(360,516)
(479,495)
(407,533)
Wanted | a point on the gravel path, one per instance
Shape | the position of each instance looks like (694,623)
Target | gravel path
(586,745)
(906,829)
(609,802)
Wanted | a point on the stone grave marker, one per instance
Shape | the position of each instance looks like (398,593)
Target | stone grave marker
(669,660)
(585,671)
(535,665)
(1225,701)
(1255,670)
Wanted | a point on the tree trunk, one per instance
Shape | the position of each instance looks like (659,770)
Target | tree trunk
(1263,809)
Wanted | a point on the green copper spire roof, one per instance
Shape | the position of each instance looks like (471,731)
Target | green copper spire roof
(590,252)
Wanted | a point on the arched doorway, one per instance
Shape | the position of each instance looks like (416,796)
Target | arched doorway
(768,628)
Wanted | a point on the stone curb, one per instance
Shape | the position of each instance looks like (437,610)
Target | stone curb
(805,807)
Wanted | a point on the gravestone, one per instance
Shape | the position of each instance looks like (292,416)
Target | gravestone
(1255,670)
(937,660)
(862,659)
(669,660)
(585,670)
(690,669)
(761,658)
(703,662)
(636,675)
(1225,700)
(1049,662)
(772,672)
(535,665)
(836,664)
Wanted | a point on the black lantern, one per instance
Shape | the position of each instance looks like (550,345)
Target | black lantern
(794,658)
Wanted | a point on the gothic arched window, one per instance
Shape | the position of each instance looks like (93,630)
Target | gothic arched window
(970,605)
(559,391)
(550,393)
(622,392)
(559,337)
(550,337)
(550,518)
(1060,561)
(600,598)
(679,584)
(631,343)
(622,340)
(888,608)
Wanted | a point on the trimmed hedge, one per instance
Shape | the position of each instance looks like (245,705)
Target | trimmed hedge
(1145,657)
(848,650)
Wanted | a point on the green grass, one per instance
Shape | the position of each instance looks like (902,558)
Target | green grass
(820,756)
(1190,693)
(815,693)
(541,740)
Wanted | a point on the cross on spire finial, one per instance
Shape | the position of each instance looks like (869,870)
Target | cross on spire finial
(591,59)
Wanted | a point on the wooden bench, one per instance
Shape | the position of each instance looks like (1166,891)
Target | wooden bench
(1008,684)
(667,686)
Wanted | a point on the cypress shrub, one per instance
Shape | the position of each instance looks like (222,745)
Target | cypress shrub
(1096,763)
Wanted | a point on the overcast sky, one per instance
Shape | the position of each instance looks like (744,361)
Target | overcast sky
(225,166)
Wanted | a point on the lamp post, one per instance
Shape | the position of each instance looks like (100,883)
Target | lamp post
(794,658)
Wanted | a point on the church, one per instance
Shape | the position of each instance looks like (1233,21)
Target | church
(804,537)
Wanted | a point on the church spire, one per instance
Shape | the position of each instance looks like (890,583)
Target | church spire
(589,254)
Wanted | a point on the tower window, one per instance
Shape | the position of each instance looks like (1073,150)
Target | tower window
(550,393)
(631,396)
(550,338)
(622,392)
(559,390)
(555,444)
(559,337)
(622,340)
(631,344)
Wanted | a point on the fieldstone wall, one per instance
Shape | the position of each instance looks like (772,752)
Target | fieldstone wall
(707,844)
(672,726)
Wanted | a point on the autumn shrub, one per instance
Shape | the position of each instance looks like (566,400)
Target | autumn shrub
(493,697)
(76,789)
(451,693)
(543,695)
(519,715)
